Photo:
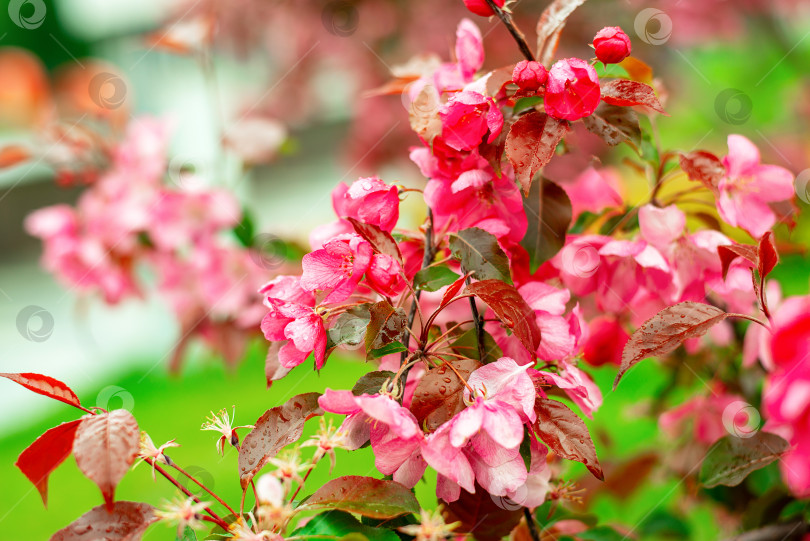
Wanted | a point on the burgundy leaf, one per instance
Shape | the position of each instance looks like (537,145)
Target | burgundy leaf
(666,330)
(566,434)
(452,290)
(439,395)
(730,252)
(511,309)
(614,124)
(380,240)
(277,428)
(548,210)
(374,498)
(126,521)
(387,325)
(767,256)
(531,143)
(105,447)
(481,515)
(626,93)
(550,25)
(703,167)
(46,453)
(730,459)
(45,385)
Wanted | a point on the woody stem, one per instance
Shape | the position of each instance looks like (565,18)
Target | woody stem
(506,19)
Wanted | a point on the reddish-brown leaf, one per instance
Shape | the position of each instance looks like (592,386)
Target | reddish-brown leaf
(105,447)
(127,521)
(273,370)
(566,434)
(550,25)
(626,93)
(731,252)
(387,325)
(374,498)
(45,385)
(703,167)
(767,256)
(277,428)
(614,124)
(481,515)
(666,330)
(380,240)
(549,212)
(46,453)
(531,143)
(511,309)
(439,395)
(452,290)
(13,155)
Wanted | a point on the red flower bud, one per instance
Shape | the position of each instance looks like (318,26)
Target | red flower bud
(529,75)
(480,7)
(612,45)
(572,90)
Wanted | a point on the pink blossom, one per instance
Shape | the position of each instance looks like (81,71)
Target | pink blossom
(466,119)
(706,415)
(385,276)
(338,267)
(577,385)
(480,7)
(748,187)
(368,200)
(469,49)
(572,91)
(593,191)
(606,341)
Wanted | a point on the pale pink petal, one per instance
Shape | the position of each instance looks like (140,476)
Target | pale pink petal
(661,226)
(467,423)
(469,48)
(340,402)
(742,158)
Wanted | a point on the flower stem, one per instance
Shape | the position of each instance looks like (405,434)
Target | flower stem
(202,486)
(427,258)
(531,524)
(479,326)
(185,491)
(520,38)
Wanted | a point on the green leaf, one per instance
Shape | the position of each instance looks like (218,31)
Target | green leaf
(731,458)
(480,252)
(662,523)
(245,230)
(371,383)
(340,525)
(523,104)
(187,535)
(467,344)
(375,498)
(434,278)
(393,347)
(349,328)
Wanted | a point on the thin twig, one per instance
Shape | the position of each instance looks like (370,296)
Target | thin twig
(427,258)
(185,491)
(479,326)
(202,486)
(520,38)
(531,524)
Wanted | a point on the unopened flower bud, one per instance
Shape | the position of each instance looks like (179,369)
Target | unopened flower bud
(612,45)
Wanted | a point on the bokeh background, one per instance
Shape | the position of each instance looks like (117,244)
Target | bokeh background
(307,68)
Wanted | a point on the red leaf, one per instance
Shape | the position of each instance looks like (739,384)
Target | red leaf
(13,155)
(548,210)
(105,447)
(374,498)
(614,124)
(452,290)
(628,93)
(566,434)
(550,25)
(511,309)
(45,385)
(46,453)
(731,252)
(481,515)
(277,428)
(530,144)
(126,521)
(439,394)
(387,325)
(380,240)
(664,332)
(767,256)
(703,167)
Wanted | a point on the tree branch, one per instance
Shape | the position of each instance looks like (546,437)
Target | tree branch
(520,38)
